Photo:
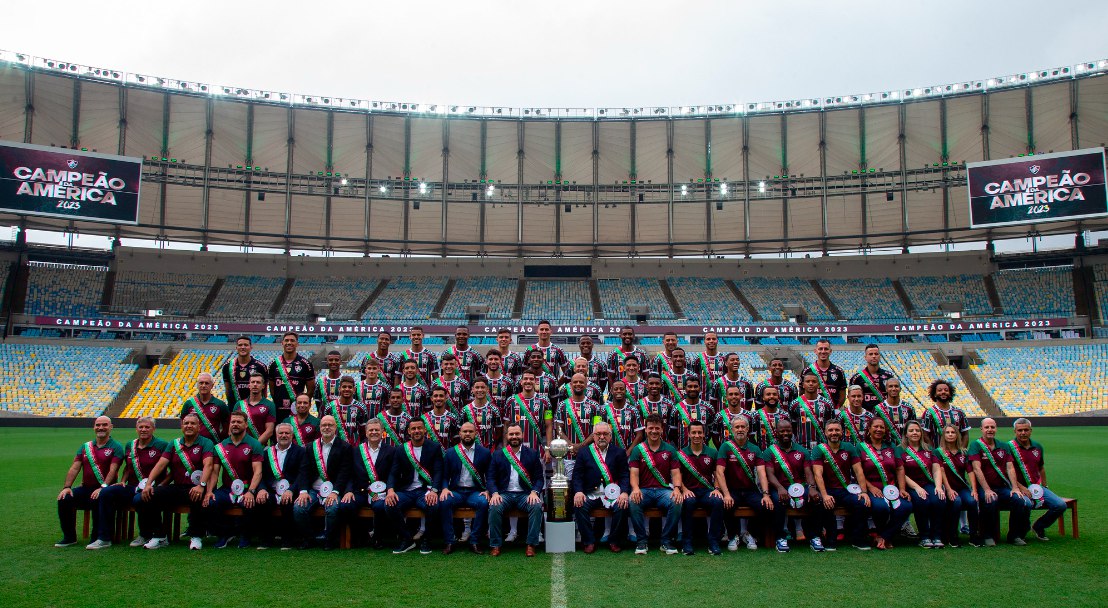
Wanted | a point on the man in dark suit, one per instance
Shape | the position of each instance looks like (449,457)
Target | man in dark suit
(414,482)
(325,480)
(596,467)
(282,463)
(372,463)
(467,466)
(515,481)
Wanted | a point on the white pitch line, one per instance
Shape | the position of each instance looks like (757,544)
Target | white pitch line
(558,581)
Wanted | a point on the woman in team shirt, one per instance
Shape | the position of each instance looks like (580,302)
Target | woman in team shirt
(835,465)
(883,468)
(960,486)
(921,470)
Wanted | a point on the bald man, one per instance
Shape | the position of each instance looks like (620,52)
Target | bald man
(994,467)
(210,409)
(98,462)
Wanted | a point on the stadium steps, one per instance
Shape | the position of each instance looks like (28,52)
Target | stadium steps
(7,289)
(109,289)
(124,397)
(594,300)
(994,295)
(282,295)
(360,313)
(983,397)
(1084,293)
(521,295)
(904,299)
(19,275)
(211,297)
(436,312)
(826,299)
(742,299)
(672,299)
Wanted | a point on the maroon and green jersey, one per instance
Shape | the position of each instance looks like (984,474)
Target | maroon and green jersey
(764,426)
(996,476)
(617,357)
(351,418)
(786,463)
(696,469)
(717,390)
(487,420)
(103,456)
(832,381)
(842,459)
(513,365)
(299,373)
(375,397)
(195,453)
(531,414)
(808,417)
(417,399)
(721,424)
(427,363)
(395,431)
(470,363)
(457,392)
(663,407)
(673,383)
(854,425)
(213,416)
(648,462)
(685,413)
(544,384)
(636,389)
(917,464)
(876,461)
(575,419)
(144,457)
(738,479)
(257,416)
(873,386)
(592,391)
(935,419)
(326,387)
(236,378)
(304,431)
(555,361)
(500,389)
(708,366)
(626,421)
(442,427)
(897,415)
(388,366)
(1029,460)
(786,390)
(597,371)
(240,457)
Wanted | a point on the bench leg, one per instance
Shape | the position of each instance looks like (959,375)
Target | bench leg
(1073,519)
(345,537)
(85,527)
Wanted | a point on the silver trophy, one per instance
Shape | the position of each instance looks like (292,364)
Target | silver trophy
(559,484)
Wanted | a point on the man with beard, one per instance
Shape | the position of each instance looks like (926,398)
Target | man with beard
(855,417)
(349,414)
(466,467)
(515,481)
(942,413)
(190,464)
(711,363)
(501,385)
(484,415)
(872,379)
(786,390)
(544,382)
(655,479)
(592,390)
(655,402)
(698,463)
(734,407)
(414,483)
(555,362)
(835,467)
(597,468)
(240,457)
(280,484)
(893,411)
(237,370)
(809,411)
(687,411)
(729,378)
(832,378)
(741,478)
(513,363)
(211,412)
(532,411)
(787,465)
(574,418)
(305,427)
(767,418)
(290,374)
(624,418)
(674,374)
(394,420)
(617,359)
(325,480)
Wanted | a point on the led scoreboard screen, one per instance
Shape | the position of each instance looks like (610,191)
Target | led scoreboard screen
(1039,188)
(57,182)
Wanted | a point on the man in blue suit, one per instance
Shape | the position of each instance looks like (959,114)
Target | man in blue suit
(414,482)
(595,468)
(467,466)
(372,464)
(282,463)
(515,481)
(325,480)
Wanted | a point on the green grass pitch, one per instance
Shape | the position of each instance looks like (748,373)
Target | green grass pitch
(34,573)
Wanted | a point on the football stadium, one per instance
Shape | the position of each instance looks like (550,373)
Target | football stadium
(357,351)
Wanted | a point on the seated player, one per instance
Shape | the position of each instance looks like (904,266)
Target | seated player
(996,477)
(466,468)
(1030,459)
(190,462)
(515,481)
(698,464)
(597,468)
(655,479)
(98,462)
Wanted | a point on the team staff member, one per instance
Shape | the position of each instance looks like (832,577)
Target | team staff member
(882,467)
(655,479)
(698,463)
(237,370)
(787,464)
(290,374)
(515,481)
(325,480)
(961,487)
(1030,460)
(140,457)
(596,468)
(189,461)
(414,482)
(98,462)
(240,457)
(305,427)
(213,413)
(921,469)
(996,477)
(372,465)
(466,468)
(741,478)
(261,414)
(832,378)
(835,465)
(872,379)
(280,484)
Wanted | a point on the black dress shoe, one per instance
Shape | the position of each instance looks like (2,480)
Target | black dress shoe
(476,549)
(448,549)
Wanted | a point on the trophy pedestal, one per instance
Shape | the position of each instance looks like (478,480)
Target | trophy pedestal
(560,536)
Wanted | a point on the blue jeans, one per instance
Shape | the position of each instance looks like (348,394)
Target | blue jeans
(702,498)
(855,518)
(81,499)
(217,508)
(753,500)
(955,504)
(1055,507)
(408,499)
(331,516)
(929,512)
(464,498)
(660,498)
(889,520)
(1019,514)
(585,527)
(113,498)
(518,501)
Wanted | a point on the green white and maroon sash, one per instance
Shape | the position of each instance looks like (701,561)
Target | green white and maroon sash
(885,416)
(91,456)
(370,468)
(808,411)
(203,416)
(574,419)
(226,463)
(449,401)
(667,378)
(870,383)
(249,420)
(185,462)
(766,424)
(703,359)
(322,380)
(919,462)
(685,462)
(742,461)
(430,426)
(409,451)
(229,375)
(781,462)
(297,434)
(339,418)
(409,355)
(545,367)
(726,416)
(1019,460)
(526,411)
(605,472)
(953,469)
(135,468)
(518,466)
(615,425)
(317,456)
(271,456)
(645,453)
(939,424)
(391,432)
(468,464)
(285,377)
(819,376)
(685,416)
(876,462)
(833,464)
(992,461)
(845,416)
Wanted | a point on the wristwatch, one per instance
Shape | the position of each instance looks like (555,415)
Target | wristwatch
(203,484)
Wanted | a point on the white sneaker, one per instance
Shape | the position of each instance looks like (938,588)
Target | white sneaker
(909,530)
(750,542)
(157,543)
(138,542)
(542,538)
(98,544)
(733,544)
(418,535)
(511,537)
(195,544)
(466,531)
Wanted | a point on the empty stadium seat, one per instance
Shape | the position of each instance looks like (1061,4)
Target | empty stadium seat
(173,294)
(1045,380)
(246,298)
(557,301)
(927,293)
(61,380)
(64,290)
(768,296)
(498,294)
(406,300)
(867,299)
(1032,292)
(705,300)
(617,294)
(344,296)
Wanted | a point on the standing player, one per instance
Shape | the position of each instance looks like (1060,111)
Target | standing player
(809,412)
(544,382)
(767,418)
(855,417)
(663,361)
(1030,460)
(238,368)
(555,362)
(595,368)
(457,388)
(872,378)
(395,419)
(426,361)
(624,418)
(893,411)
(484,415)
(709,364)
(442,424)
(687,411)
(388,364)
(374,395)
(289,375)
(673,377)
(635,383)
(240,457)
(413,389)
(211,412)
(832,378)
(501,386)
(734,407)
(260,416)
(532,411)
(470,362)
(617,359)
(655,402)
(190,464)
(786,390)
(942,413)
(98,462)
(513,363)
(730,377)
(349,413)
(574,418)
(592,390)
(995,470)
(327,382)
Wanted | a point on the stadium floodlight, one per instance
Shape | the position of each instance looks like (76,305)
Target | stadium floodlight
(762,187)
(491,190)
(383,189)
(423,187)
(723,189)
(344,181)
(684,190)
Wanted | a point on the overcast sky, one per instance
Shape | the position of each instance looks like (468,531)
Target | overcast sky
(567,53)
